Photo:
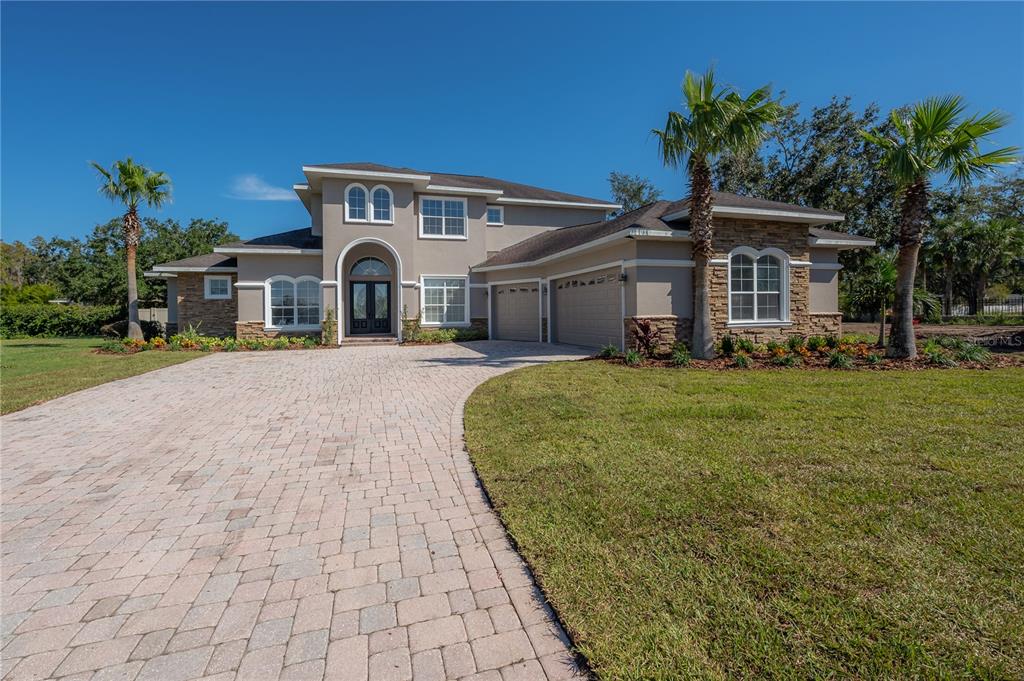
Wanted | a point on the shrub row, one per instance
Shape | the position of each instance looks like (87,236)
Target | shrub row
(43,319)
(193,342)
(430,336)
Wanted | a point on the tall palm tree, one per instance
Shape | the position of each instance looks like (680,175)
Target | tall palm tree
(132,184)
(717,120)
(931,137)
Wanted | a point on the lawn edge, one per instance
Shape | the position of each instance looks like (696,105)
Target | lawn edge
(458,435)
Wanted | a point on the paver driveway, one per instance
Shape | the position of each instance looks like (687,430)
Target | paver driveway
(301,515)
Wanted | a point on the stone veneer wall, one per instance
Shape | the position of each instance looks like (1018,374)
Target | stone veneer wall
(760,234)
(210,317)
(245,330)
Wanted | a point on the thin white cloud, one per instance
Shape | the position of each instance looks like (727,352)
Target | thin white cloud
(254,188)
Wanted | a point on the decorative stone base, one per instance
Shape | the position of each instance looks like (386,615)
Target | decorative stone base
(670,330)
(246,330)
(825,324)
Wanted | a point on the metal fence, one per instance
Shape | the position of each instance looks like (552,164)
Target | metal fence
(1013,304)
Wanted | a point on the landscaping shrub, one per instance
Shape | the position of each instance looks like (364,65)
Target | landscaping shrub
(646,335)
(633,358)
(815,343)
(831,342)
(874,359)
(935,353)
(971,352)
(785,360)
(795,343)
(55,320)
(839,360)
(742,361)
(774,346)
(728,346)
(608,351)
(746,345)
(681,355)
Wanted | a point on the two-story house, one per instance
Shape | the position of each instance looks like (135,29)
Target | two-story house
(386,244)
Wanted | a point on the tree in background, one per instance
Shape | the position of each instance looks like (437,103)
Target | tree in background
(132,184)
(632,191)
(717,121)
(931,138)
(992,248)
(874,286)
(91,269)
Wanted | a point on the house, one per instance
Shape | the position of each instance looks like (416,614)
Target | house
(390,244)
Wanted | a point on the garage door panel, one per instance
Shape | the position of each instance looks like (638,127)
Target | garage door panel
(516,312)
(588,309)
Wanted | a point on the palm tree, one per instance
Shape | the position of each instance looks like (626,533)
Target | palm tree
(717,121)
(930,138)
(992,248)
(133,184)
(874,286)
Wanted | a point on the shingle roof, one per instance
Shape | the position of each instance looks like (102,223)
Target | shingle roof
(511,190)
(297,239)
(205,261)
(650,216)
(557,240)
(727,200)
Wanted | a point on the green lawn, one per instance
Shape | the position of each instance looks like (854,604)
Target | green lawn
(778,524)
(34,370)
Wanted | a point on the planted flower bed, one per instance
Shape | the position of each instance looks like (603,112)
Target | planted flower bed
(814,352)
(190,341)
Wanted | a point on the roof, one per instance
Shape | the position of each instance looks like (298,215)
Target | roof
(557,240)
(665,216)
(727,200)
(296,239)
(206,261)
(508,189)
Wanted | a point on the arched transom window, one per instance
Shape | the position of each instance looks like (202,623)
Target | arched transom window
(355,203)
(370,267)
(293,302)
(756,288)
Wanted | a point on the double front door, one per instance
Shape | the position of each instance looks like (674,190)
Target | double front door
(370,309)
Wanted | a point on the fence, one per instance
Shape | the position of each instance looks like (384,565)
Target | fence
(1013,304)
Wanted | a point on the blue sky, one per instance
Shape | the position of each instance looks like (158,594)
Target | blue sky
(231,99)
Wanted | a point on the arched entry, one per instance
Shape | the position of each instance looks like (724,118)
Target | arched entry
(369,291)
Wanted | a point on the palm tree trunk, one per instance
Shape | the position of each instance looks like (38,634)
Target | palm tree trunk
(913,220)
(132,230)
(881,326)
(980,284)
(703,345)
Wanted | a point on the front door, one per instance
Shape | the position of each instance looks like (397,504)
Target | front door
(370,307)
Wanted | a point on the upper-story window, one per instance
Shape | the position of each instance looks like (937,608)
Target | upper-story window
(355,203)
(495,215)
(383,202)
(756,287)
(442,217)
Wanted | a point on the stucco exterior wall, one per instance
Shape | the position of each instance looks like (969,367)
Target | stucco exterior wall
(522,222)
(254,269)
(823,295)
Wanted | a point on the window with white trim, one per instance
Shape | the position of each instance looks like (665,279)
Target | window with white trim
(444,300)
(495,215)
(756,288)
(442,218)
(294,302)
(370,267)
(355,203)
(216,287)
(382,201)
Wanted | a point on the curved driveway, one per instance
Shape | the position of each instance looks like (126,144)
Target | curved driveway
(299,515)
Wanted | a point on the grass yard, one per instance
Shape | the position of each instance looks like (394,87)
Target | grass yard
(779,524)
(34,370)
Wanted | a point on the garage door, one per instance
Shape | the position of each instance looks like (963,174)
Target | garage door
(588,309)
(516,312)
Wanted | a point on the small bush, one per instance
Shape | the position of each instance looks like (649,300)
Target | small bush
(681,355)
(746,345)
(728,346)
(471,334)
(816,343)
(646,335)
(972,352)
(113,345)
(608,351)
(831,342)
(874,359)
(774,346)
(742,361)
(839,360)
(785,360)
(633,358)
(795,343)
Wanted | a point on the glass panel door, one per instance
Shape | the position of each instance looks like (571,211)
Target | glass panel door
(381,307)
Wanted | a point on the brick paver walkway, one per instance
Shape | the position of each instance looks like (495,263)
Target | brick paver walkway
(294,515)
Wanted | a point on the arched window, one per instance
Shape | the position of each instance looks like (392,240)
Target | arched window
(382,202)
(293,302)
(756,288)
(370,267)
(355,203)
